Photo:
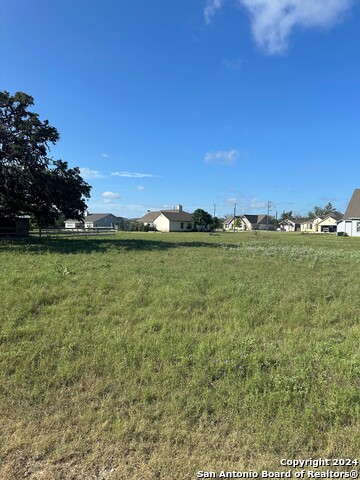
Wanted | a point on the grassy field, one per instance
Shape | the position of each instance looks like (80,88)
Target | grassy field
(158,355)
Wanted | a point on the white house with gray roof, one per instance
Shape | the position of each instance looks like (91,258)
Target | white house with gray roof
(242,223)
(175,220)
(98,220)
(289,225)
(350,223)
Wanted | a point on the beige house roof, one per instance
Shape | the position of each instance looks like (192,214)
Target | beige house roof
(353,209)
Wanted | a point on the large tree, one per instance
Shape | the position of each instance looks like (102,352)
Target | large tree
(202,219)
(32,182)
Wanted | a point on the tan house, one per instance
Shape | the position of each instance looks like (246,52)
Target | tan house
(329,223)
(350,224)
(311,225)
(242,223)
(325,223)
(176,220)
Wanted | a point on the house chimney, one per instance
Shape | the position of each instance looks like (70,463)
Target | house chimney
(179,208)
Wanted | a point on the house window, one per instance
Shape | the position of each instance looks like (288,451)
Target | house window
(309,226)
(182,225)
(358,226)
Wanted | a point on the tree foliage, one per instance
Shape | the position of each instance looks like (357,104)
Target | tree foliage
(320,211)
(286,216)
(32,182)
(216,222)
(201,219)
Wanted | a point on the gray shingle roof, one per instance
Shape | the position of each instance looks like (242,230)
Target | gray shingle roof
(253,219)
(334,215)
(149,217)
(228,219)
(172,215)
(94,217)
(259,219)
(290,221)
(353,209)
(310,220)
(177,216)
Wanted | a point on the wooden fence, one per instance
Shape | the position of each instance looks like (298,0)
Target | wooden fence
(10,232)
(71,232)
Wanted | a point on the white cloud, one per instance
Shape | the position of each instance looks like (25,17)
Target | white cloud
(222,157)
(272,21)
(111,195)
(89,174)
(141,187)
(211,7)
(105,155)
(131,174)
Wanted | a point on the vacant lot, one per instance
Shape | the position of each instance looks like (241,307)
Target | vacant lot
(158,355)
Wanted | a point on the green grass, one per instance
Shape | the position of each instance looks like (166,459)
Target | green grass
(158,355)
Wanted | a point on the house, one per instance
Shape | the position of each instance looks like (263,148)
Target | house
(248,222)
(311,225)
(98,220)
(350,223)
(324,223)
(329,223)
(15,227)
(71,223)
(289,225)
(230,222)
(176,220)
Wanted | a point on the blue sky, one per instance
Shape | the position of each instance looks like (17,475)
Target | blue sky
(197,102)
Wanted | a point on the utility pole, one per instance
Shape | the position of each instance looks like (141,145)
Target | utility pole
(268,213)
(214,209)
(234,216)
